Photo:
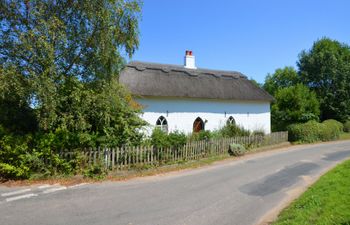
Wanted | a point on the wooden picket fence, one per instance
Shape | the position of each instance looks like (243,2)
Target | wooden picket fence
(129,157)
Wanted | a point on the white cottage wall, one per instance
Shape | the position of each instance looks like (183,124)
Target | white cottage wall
(180,113)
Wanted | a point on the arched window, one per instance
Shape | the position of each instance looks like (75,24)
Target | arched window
(231,121)
(198,125)
(162,124)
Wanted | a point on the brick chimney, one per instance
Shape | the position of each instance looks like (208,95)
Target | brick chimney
(190,62)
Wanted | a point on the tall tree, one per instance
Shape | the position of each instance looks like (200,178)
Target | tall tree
(294,104)
(66,56)
(281,78)
(325,68)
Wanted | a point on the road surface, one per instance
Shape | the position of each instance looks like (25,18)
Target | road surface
(234,192)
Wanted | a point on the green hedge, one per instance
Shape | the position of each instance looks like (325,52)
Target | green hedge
(331,130)
(313,131)
(160,139)
(347,126)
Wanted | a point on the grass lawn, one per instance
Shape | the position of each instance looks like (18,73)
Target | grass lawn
(326,202)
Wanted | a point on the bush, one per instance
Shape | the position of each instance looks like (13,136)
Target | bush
(22,157)
(160,139)
(313,131)
(347,126)
(331,130)
(96,171)
(260,132)
(233,130)
(8,171)
(200,136)
(177,139)
(237,150)
(294,104)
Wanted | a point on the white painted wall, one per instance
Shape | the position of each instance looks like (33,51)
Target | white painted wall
(182,112)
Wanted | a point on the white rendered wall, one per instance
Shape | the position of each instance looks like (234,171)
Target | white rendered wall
(182,112)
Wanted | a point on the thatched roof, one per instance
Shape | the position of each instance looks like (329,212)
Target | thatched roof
(151,79)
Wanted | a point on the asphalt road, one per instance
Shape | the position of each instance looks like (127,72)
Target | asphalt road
(235,192)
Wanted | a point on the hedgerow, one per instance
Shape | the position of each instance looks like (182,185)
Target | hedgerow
(313,131)
(347,126)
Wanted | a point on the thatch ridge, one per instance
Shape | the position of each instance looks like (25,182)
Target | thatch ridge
(164,80)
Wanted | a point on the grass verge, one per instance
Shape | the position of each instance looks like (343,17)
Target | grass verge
(325,202)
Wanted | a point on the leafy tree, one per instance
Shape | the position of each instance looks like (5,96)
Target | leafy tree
(325,68)
(60,62)
(281,78)
(295,104)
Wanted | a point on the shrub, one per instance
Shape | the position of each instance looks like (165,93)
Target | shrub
(233,130)
(200,136)
(313,131)
(96,171)
(22,157)
(331,130)
(8,171)
(177,139)
(306,132)
(259,132)
(237,150)
(160,139)
(294,104)
(347,126)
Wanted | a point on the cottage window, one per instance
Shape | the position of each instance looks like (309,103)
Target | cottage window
(198,125)
(231,121)
(162,124)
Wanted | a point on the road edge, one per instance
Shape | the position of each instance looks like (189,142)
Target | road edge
(269,217)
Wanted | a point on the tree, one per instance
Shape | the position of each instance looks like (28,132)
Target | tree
(281,78)
(295,104)
(61,60)
(325,69)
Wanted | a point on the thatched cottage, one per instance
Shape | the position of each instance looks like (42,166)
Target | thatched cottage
(190,99)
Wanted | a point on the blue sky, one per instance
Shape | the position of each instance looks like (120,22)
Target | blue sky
(254,37)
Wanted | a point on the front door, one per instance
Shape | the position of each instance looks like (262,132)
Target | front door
(198,125)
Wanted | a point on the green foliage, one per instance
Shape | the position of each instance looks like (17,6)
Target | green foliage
(160,139)
(313,131)
(281,78)
(15,113)
(23,156)
(59,87)
(200,136)
(325,68)
(8,171)
(59,68)
(233,130)
(332,130)
(96,171)
(259,132)
(295,104)
(237,150)
(177,139)
(347,126)
(336,125)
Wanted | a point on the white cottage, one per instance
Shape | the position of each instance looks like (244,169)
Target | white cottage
(190,99)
